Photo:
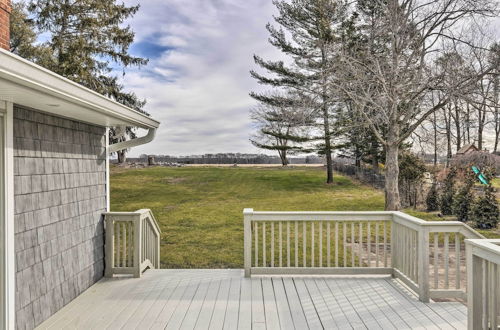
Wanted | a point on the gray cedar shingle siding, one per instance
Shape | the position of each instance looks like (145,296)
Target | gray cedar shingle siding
(60,194)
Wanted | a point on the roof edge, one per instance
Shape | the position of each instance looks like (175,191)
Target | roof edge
(23,72)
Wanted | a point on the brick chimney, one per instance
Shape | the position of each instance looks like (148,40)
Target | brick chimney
(5,9)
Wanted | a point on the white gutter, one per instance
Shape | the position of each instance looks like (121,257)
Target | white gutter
(133,143)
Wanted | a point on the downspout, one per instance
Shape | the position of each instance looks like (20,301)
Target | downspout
(134,142)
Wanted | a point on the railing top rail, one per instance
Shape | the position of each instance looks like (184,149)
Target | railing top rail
(142,213)
(318,215)
(151,219)
(404,219)
(488,249)
(251,211)
(132,213)
(460,227)
(492,245)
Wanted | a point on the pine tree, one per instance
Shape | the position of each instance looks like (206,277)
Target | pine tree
(485,212)
(86,39)
(463,200)
(446,200)
(432,200)
(313,27)
(23,36)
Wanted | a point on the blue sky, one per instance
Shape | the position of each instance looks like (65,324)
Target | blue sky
(197,81)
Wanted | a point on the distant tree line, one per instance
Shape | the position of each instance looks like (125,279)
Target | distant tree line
(227,158)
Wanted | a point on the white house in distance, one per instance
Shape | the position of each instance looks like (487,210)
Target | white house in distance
(54,186)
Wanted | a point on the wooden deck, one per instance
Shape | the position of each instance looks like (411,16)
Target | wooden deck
(224,299)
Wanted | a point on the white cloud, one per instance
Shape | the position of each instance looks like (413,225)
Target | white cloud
(198,85)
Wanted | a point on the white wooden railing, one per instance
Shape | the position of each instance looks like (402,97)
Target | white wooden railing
(132,242)
(427,256)
(483,281)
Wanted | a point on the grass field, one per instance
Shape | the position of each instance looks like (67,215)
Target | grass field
(199,209)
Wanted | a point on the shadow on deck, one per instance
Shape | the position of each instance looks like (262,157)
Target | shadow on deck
(224,299)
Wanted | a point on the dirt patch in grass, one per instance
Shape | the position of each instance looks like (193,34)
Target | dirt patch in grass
(174,180)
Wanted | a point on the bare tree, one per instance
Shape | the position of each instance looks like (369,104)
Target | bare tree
(392,71)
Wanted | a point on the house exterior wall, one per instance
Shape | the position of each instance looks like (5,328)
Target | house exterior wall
(60,195)
(5,8)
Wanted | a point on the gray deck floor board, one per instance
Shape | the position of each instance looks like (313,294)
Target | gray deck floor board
(224,299)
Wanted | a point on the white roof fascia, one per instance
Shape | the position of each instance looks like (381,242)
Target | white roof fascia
(22,77)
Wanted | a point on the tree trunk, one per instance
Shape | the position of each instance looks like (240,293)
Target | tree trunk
(480,127)
(392,198)
(374,151)
(435,140)
(122,158)
(326,122)
(328,146)
(457,127)
(496,112)
(447,120)
(480,136)
(283,157)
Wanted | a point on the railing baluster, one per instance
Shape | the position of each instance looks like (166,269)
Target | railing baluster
(495,289)
(312,244)
(280,241)
(457,261)
(124,228)
(405,244)
(446,260)
(336,244)
(385,244)
(118,245)
(485,294)
(328,263)
(264,244)
(256,234)
(493,312)
(288,243)
(296,244)
(369,242)
(360,244)
(304,243)
(320,234)
(377,257)
(436,261)
(353,254)
(130,244)
(272,243)
(344,246)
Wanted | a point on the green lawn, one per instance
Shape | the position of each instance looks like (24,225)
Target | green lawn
(200,208)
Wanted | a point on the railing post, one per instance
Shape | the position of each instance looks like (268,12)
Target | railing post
(158,240)
(474,288)
(137,246)
(392,244)
(423,264)
(247,223)
(110,246)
